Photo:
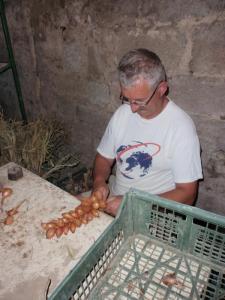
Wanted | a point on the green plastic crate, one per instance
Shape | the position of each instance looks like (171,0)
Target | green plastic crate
(150,239)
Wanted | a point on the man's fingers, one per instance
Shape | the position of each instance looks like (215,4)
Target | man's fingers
(113,204)
(101,193)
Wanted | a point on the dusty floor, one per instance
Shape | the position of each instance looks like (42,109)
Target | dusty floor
(27,259)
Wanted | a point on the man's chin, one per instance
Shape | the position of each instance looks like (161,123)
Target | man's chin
(142,113)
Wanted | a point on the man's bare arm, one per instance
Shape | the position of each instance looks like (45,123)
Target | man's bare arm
(101,172)
(183,193)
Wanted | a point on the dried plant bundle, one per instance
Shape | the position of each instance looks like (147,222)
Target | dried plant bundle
(35,146)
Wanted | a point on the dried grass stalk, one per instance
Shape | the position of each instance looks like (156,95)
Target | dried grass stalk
(34,145)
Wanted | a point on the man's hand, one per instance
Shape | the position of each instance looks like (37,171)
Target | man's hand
(101,191)
(113,204)
(101,172)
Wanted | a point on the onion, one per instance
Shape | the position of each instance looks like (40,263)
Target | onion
(9,220)
(89,217)
(74,214)
(170,280)
(84,220)
(93,198)
(14,210)
(6,192)
(65,220)
(86,209)
(54,222)
(43,225)
(80,211)
(86,202)
(59,231)
(60,223)
(78,222)
(68,216)
(96,205)
(72,227)
(50,233)
(66,229)
(95,213)
(102,204)
(50,225)
(98,195)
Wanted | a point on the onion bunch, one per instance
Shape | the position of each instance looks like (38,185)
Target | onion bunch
(82,214)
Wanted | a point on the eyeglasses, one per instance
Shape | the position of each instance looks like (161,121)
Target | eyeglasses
(138,102)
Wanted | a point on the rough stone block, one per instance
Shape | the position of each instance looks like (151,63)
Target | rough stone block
(167,11)
(199,95)
(155,41)
(208,54)
(210,201)
(212,188)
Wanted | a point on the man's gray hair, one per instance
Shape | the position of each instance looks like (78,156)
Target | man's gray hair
(141,63)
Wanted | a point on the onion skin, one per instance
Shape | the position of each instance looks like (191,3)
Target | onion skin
(50,233)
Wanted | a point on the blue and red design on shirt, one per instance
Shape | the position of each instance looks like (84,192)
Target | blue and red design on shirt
(135,164)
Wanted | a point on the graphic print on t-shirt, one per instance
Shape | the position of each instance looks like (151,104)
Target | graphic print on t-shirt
(134,160)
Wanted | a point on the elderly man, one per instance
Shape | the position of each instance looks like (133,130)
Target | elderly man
(152,140)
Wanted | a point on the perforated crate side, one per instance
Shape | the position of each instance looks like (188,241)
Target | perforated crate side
(207,238)
(184,227)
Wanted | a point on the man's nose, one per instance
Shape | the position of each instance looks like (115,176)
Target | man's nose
(134,107)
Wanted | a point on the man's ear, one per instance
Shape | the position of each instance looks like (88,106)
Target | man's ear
(163,88)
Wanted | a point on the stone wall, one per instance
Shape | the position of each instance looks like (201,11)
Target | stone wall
(67,54)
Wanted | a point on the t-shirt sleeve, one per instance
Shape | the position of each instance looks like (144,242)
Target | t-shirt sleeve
(186,161)
(107,144)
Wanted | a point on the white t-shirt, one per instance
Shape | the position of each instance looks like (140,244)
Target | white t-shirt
(152,155)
